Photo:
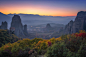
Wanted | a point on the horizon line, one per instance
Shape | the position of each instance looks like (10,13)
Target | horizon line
(38,14)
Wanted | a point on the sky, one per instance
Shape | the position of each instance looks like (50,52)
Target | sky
(43,7)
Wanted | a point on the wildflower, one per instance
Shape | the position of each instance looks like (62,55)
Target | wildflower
(49,44)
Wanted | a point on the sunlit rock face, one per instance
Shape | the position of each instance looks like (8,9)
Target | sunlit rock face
(16,23)
(78,24)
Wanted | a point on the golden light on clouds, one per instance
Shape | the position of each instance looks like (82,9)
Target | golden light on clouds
(41,10)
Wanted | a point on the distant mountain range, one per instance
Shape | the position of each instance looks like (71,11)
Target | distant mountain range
(31,19)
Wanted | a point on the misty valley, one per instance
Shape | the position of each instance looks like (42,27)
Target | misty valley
(35,27)
(28,35)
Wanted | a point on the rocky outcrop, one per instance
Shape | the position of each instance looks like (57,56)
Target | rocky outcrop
(25,28)
(17,26)
(48,26)
(68,27)
(3,25)
(78,24)
(25,31)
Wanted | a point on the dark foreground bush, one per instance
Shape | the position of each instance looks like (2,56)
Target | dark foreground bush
(26,53)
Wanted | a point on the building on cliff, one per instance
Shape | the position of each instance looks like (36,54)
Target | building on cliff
(3,25)
(78,24)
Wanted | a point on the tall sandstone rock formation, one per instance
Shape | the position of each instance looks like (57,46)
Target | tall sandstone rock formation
(17,26)
(78,24)
(48,28)
(25,28)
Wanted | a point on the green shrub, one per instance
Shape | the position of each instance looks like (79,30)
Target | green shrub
(57,50)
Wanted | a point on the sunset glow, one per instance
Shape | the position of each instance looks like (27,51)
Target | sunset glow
(49,8)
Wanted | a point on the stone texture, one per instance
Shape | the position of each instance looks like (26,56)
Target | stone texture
(68,27)
(25,31)
(3,25)
(25,28)
(17,25)
(78,24)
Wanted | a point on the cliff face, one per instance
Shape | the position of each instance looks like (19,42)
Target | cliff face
(3,25)
(78,24)
(17,25)
(68,27)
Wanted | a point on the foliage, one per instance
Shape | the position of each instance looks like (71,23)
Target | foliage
(14,48)
(58,39)
(49,44)
(72,45)
(6,37)
(57,50)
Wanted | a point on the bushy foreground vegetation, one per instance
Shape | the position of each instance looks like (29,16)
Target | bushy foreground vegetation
(6,37)
(22,45)
(73,45)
